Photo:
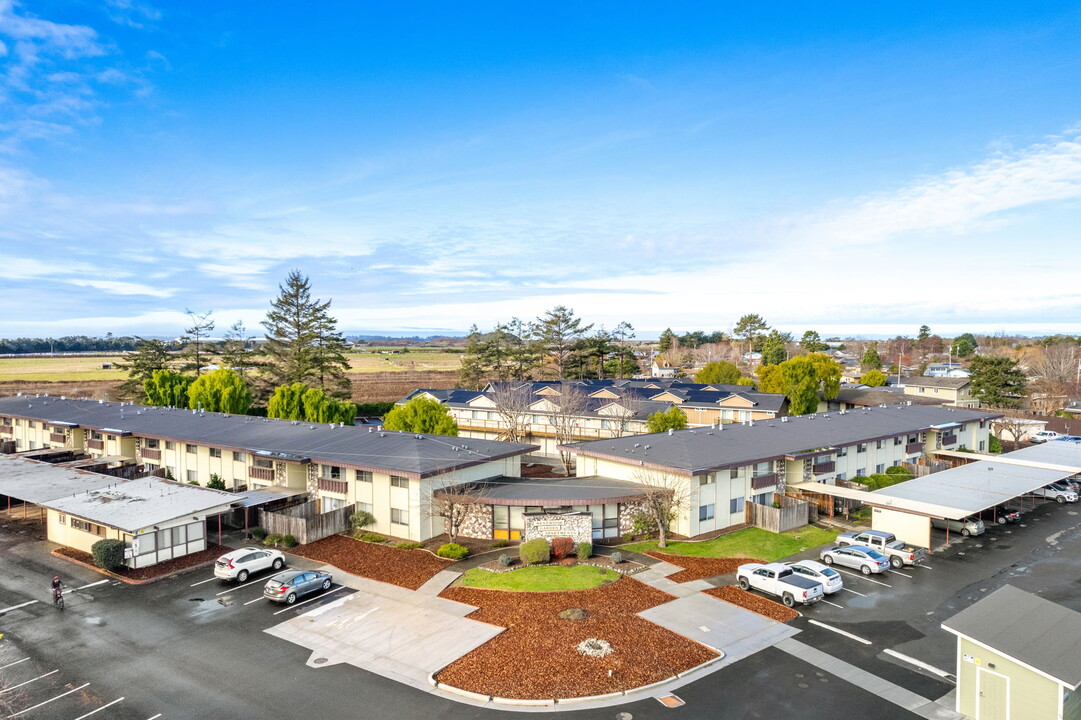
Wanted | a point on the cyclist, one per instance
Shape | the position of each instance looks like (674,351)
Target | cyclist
(57,589)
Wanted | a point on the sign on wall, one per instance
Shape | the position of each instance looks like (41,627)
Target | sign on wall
(575,524)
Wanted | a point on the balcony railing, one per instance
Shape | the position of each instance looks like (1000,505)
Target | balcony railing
(824,467)
(7,429)
(334,486)
(151,454)
(949,439)
(58,437)
(913,447)
(763,481)
(258,473)
(95,444)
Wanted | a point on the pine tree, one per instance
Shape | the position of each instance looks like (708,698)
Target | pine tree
(197,351)
(302,341)
(560,330)
(149,355)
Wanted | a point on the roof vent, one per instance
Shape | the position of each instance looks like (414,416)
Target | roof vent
(637,445)
(647,447)
(382,434)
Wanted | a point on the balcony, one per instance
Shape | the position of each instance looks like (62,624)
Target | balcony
(949,439)
(95,444)
(151,454)
(824,467)
(58,437)
(7,430)
(914,447)
(258,473)
(334,486)
(761,482)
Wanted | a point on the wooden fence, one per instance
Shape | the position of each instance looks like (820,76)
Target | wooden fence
(304,522)
(791,514)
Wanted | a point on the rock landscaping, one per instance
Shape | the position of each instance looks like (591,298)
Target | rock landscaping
(699,568)
(537,656)
(754,603)
(405,568)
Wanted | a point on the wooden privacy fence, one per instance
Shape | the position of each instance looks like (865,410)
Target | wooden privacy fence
(791,514)
(305,523)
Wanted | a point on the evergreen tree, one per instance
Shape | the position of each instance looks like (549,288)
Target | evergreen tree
(871,359)
(665,342)
(773,349)
(473,370)
(559,329)
(166,388)
(220,391)
(671,419)
(197,351)
(421,415)
(812,342)
(750,329)
(718,371)
(149,355)
(302,341)
(997,381)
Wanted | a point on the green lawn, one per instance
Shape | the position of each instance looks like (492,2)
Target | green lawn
(540,579)
(750,542)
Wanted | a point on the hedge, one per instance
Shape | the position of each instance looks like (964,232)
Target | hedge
(535,551)
(108,554)
(454,551)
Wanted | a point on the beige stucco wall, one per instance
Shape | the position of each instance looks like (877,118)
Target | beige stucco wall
(1032,696)
(914,529)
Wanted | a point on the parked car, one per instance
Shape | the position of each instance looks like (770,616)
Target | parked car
(239,564)
(1043,436)
(1072,484)
(967,526)
(824,574)
(1058,493)
(781,581)
(286,587)
(1004,514)
(900,553)
(858,557)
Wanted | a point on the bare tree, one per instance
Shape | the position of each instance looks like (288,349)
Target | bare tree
(512,401)
(1013,427)
(664,496)
(197,350)
(629,407)
(1056,368)
(455,504)
(569,411)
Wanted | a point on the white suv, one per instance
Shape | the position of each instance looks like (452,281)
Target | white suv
(239,564)
(1043,436)
(1055,491)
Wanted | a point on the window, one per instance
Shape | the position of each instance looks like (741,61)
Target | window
(705,512)
(763,498)
(238,456)
(734,473)
(169,445)
(215,452)
(189,449)
(364,476)
(878,445)
(88,527)
(735,505)
(763,468)
(331,503)
(862,447)
(913,438)
(707,479)
(861,472)
(842,476)
(841,452)
(365,507)
(111,437)
(152,443)
(982,444)
(330,472)
(880,468)
(62,518)
(399,517)
(262,463)
(399,482)
(898,440)
(94,435)
(193,476)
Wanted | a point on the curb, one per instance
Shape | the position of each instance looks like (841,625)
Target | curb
(121,578)
(463,693)
(594,698)
(526,703)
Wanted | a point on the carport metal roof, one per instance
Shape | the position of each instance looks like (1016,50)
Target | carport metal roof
(875,499)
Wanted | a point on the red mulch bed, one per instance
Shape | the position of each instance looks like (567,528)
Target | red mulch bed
(154,571)
(540,470)
(476,545)
(405,568)
(750,601)
(699,568)
(536,657)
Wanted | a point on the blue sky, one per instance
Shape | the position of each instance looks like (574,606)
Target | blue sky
(849,169)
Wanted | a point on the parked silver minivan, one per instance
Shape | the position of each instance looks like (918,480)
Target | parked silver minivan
(968,526)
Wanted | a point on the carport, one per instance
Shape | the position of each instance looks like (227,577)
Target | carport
(32,482)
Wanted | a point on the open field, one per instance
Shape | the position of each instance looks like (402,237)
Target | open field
(59,369)
(410,361)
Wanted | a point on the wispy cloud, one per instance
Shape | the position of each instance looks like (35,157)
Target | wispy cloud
(116,287)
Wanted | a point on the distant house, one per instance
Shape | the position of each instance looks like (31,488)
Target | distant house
(956,391)
(663,369)
(946,369)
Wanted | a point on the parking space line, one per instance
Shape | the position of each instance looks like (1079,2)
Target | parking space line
(255,600)
(155,717)
(236,587)
(918,663)
(16,607)
(69,692)
(329,592)
(84,587)
(925,567)
(853,591)
(14,663)
(861,575)
(114,702)
(203,581)
(899,573)
(833,604)
(839,631)
(16,687)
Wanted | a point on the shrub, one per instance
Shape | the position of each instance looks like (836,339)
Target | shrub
(272,540)
(627,537)
(371,537)
(216,482)
(108,554)
(408,545)
(562,547)
(617,557)
(643,523)
(361,519)
(776,504)
(535,551)
(289,541)
(454,551)
(506,560)
(897,470)
(258,533)
(500,543)
(994,445)
(585,549)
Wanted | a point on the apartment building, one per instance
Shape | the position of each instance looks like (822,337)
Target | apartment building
(956,391)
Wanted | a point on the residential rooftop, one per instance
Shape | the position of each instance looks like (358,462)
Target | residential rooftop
(38,482)
(407,454)
(562,491)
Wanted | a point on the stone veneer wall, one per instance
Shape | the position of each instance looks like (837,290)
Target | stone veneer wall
(627,511)
(477,525)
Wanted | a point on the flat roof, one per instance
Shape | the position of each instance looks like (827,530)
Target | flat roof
(700,450)
(1039,633)
(549,492)
(251,498)
(133,505)
(37,482)
(408,454)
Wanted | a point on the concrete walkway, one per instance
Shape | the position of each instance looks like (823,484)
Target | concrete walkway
(871,683)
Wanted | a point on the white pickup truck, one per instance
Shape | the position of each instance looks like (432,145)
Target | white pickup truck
(779,580)
(899,553)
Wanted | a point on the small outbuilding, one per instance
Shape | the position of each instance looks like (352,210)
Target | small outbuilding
(1018,657)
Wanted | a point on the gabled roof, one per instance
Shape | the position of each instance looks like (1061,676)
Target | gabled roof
(1041,634)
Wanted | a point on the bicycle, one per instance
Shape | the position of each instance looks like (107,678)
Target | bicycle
(58,597)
